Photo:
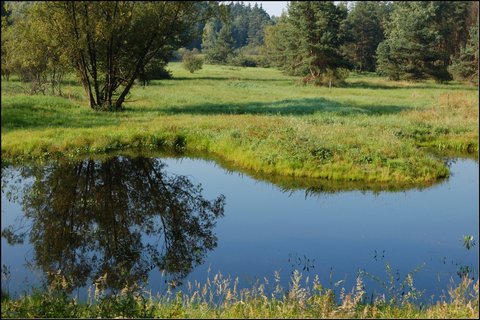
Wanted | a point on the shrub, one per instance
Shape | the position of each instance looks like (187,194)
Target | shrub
(154,70)
(242,60)
(192,61)
(249,56)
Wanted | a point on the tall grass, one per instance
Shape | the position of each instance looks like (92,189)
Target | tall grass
(372,130)
(220,297)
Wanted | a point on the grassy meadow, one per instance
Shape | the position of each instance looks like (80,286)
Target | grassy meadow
(371,130)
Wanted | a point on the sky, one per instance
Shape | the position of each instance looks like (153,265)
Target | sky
(273,8)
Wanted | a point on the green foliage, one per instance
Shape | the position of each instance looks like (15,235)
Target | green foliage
(28,50)
(249,56)
(331,77)
(209,36)
(468,242)
(5,60)
(365,23)
(242,60)
(307,41)
(247,24)
(192,61)
(222,49)
(241,27)
(257,20)
(454,19)
(420,37)
(465,65)
(277,44)
(155,69)
(111,42)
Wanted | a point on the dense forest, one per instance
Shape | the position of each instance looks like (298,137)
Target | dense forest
(321,41)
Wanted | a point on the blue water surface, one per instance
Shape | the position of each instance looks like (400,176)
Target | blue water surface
(266,229)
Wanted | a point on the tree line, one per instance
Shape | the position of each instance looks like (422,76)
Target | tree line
(112,44)
(404,40)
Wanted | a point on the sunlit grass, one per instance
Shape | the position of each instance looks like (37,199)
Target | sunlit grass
(220,297)
(371,130)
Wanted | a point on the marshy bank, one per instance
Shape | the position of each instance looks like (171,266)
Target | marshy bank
(373,130)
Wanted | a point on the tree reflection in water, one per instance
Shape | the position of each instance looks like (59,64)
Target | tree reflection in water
(122,217)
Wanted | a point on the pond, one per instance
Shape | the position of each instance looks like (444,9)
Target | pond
(170,221)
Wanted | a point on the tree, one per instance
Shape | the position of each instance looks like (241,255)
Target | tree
(465,64)
(29,50)
(239,16)
(209,36)
(5,56)
(277,46)
(155,69)
(239,27)
(192,61)
(110,42)
(257,20)
(454,20)
(307,41)
(223,47)
(414,48)
(365,22)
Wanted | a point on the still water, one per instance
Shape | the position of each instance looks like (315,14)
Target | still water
(175,220)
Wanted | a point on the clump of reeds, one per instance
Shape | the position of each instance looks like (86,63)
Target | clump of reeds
(221,297)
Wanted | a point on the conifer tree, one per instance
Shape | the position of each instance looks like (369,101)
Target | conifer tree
(307,42)
(223,47)
(365,22)
(412,49)
(465,65)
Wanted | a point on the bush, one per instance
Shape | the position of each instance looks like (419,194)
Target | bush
(154,70)
(249,56)
(242,60)
(192,61)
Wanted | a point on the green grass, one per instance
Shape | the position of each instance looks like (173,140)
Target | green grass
(254,119)
(220,298)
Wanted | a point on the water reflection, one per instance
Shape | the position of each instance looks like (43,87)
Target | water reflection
(121,217)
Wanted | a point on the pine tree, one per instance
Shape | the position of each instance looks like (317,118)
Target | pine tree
(465,64)
(365,24)
(307,42)
(223,46)
(239,24)
(257,21)
(453,23)
(412,49)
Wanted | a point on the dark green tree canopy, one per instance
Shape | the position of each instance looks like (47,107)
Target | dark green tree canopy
(241,26)
(365,23)
(465,64)
(223,46)
(307,41)
(421,36)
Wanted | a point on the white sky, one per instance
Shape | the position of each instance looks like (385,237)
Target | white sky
(273,8)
